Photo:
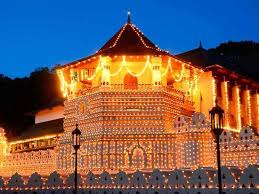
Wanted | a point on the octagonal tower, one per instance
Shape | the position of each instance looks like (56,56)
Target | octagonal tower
(124,98)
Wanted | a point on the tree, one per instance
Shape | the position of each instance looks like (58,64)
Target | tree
(21,96)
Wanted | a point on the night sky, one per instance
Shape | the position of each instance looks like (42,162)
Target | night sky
(39,33)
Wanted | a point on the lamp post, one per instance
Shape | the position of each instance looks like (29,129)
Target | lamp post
(76,135)
(216,116)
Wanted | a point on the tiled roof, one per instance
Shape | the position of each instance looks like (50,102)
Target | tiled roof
(198,56)
(129,40)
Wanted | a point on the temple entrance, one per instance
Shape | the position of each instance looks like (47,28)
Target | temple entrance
(130,82)
(138,158)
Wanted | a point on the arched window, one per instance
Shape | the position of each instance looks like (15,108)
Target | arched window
(130,82)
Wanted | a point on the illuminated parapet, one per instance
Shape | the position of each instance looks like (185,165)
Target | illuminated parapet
(156,179)
(138,179)
(177,179)
(249,177)
(70,182)
(35,180)
(200,178)
(105,179)
(16,181)
(54,180)
(91,179)
(121,179)
(229,176)
(239,148)
(194,142)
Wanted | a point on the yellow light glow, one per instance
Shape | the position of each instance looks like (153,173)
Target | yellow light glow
(64,85)
(142,71)
(34,139)
(227,105)
(249,107)
(214,93)
(238,109)
(180,76)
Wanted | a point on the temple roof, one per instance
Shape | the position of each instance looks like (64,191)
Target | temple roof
(53,127)
(198,56)
(129,40)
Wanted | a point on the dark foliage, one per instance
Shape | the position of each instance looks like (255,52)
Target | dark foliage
(241,57)
(20,97)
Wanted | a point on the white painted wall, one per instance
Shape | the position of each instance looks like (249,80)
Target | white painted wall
(49,114)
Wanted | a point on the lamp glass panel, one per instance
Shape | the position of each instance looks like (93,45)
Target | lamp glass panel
(78,139)
(74,139)
(217,121)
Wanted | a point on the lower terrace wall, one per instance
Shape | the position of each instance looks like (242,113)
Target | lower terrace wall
(133,191)
(199,181)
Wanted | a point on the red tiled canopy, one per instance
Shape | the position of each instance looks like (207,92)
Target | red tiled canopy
(129,40)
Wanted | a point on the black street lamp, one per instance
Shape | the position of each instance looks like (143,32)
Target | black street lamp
(76,135)
(216,116)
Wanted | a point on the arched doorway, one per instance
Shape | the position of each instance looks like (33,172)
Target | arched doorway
(130,82)
(138,158)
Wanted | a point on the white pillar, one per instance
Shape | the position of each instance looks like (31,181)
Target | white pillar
(247,107)
(255,111)
(156,73)
(106,79)
(237,110)
(225,102)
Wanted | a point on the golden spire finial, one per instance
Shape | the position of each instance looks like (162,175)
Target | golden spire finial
(129,20)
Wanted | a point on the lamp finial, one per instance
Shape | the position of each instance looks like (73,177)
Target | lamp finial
(129,19)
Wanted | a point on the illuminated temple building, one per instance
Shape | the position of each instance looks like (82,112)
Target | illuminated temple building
(139,108)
